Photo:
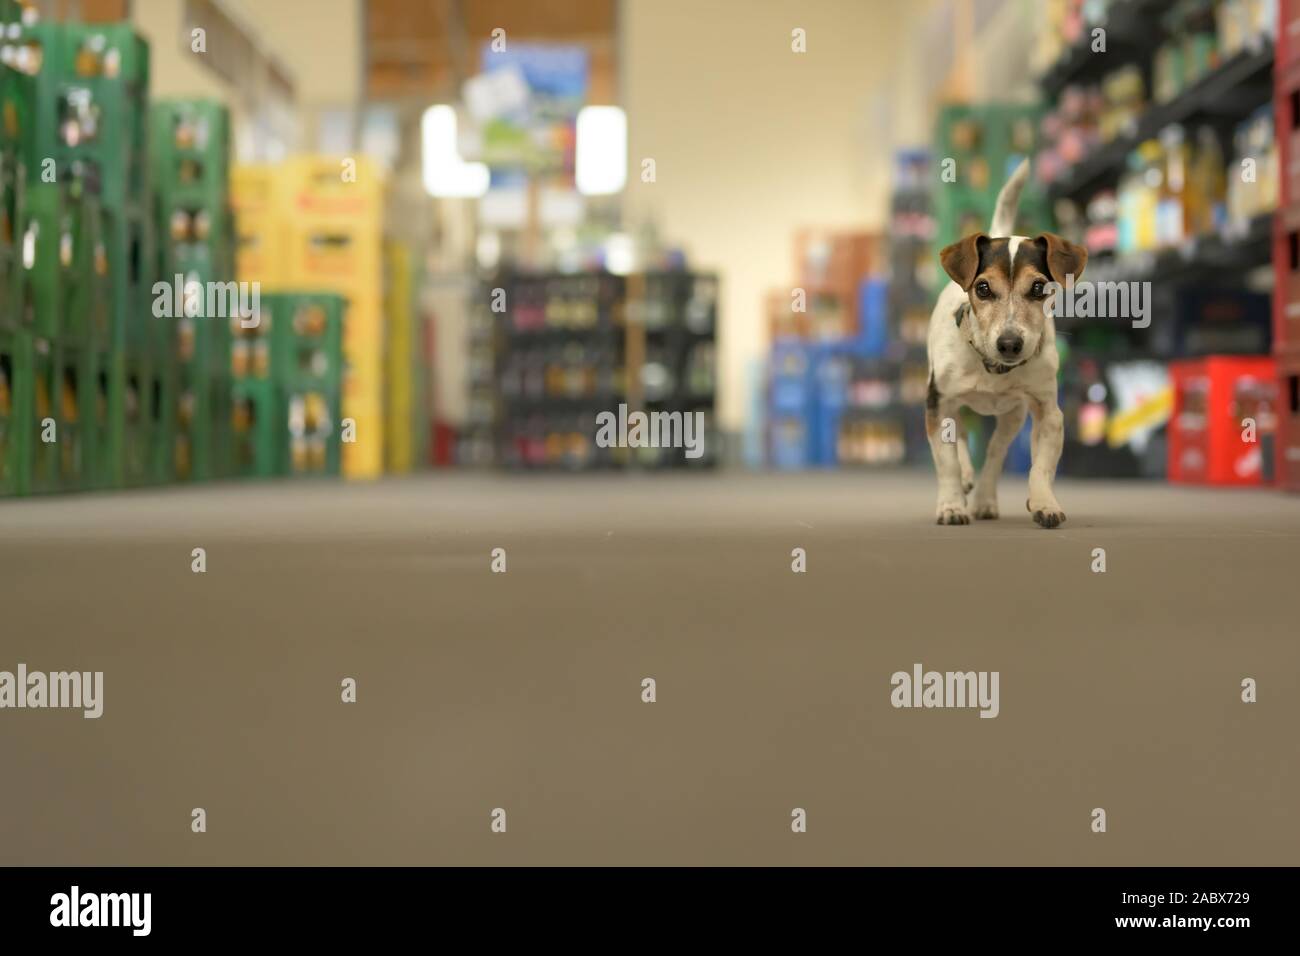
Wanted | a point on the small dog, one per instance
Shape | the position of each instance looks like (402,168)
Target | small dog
(992,348)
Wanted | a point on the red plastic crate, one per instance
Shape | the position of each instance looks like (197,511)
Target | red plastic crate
(1212,396)
(1288,32)
(1286,122)
(1288,426)
(1286,280)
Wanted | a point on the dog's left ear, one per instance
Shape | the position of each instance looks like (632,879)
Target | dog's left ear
(961,260)
(1064,258)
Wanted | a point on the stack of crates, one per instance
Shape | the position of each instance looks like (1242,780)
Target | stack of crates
(89,129)
(15,357)
(790,404)
(976,150)
(64,308)
(333,243)
(311,225)
(307,363)
(191,175)
(288,373)
(257,438)
(256,195)
(1286,245)
(53,268)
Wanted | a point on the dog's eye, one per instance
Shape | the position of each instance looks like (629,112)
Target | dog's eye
(982,290)
(1038,290)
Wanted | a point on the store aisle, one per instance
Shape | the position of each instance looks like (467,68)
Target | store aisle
(478,690)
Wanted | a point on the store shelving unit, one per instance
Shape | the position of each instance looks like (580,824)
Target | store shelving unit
(1128,37)
(567,347)
(1226,94)
(1203,290)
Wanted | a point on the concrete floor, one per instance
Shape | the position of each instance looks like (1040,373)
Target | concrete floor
(523,690)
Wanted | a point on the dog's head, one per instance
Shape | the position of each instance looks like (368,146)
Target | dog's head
(1008,283)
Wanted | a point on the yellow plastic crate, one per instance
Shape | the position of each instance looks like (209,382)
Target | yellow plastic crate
(334,231)
(336,258)
(363,329)
(399,388)
(364,458)
(335,192)
(363,380)
(259,197)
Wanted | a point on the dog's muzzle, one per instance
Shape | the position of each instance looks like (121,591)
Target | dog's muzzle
(995,368)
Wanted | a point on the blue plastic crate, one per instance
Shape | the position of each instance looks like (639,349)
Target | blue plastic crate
(788,443)
(791,379)
(873,318)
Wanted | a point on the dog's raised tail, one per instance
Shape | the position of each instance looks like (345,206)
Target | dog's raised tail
(1004,214)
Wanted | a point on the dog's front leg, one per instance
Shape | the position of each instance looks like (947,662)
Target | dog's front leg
(1046,441)
(963,459)
(952,500)
(984,503)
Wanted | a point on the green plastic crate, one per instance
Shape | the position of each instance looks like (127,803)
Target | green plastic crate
(86,316)
(12,277)
(257,445)
(63,407)
(306,338)
(203,431)
(17,104)
(310,427)
(15,412)
(91,105)
(131,266)
(70,289)
(190,140)
(104,448)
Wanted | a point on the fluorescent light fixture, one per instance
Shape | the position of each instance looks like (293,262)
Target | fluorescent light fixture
(620,254)
(445,173)
(601,161)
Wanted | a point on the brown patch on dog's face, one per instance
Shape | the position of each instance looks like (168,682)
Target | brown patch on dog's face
(1008,283)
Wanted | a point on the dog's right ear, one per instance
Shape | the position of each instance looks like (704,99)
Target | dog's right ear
(961,260)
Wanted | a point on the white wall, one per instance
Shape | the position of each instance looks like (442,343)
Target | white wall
(319,42)
(174,70)
(752,141)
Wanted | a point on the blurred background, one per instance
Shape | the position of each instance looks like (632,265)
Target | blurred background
(471,226)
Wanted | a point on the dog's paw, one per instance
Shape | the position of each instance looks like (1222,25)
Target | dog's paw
(1047,516)
(985,510)
(952,513)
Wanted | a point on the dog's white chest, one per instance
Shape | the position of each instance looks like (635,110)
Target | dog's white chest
(990,403)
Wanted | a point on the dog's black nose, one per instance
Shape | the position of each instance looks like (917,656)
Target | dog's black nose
(1009,345)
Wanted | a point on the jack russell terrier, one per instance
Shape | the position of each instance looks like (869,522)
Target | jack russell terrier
(992,348)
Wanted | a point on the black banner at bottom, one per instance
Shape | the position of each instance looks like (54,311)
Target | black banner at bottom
(95,905)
